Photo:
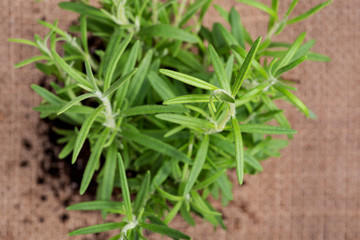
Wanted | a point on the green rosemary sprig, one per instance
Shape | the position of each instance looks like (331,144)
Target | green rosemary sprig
(148,103)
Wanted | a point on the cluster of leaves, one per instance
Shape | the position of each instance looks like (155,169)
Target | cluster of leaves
(148,102)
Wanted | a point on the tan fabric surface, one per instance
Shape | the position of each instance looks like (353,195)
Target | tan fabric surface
(311,192)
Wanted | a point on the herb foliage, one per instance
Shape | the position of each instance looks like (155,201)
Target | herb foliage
(149,103)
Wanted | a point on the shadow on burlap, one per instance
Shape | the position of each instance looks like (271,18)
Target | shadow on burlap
(311,192)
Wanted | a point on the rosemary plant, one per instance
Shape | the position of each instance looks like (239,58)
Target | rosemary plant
(148,103)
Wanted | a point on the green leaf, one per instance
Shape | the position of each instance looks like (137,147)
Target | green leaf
(87,10)
(166,31)
(309,13)
(160,86)
(209,180)
(290,53)
(84,30)
(130,64)
(272,20)
(280,118)
(22,41)
(119,83)
(223,13)
(191,11)
(223,96)
(164,230)
(142,194)
(107,182)
(240,55)
(265,129)
(157,145)
(93,160)
(188,79)
(98,228)
(74,74)
(291,7)
(289,66)
(237,28)
(311,56)
(85,128)
(111,47)
(260,6)
(297,102)
(125,189)
(219,69)
(190,122)
(193,98)
(152,109)
(253,162)
(173,212)
(50,109)
(140,76)
(90,75)
(245,67)
(187,216)
(239,150)
(304,49)
(198,165)
(202,207)
(161,175)
(96,205)
(48,96)
(75,101)
(252,92)
(67,149)
(226,187)
(167,195)
(114,59)
(199,110)
(30,60)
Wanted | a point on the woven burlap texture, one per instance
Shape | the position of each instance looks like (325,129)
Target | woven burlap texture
(311,192)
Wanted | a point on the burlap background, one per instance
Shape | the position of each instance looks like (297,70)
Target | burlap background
(311,192)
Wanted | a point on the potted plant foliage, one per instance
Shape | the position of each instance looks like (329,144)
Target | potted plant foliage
(174,102)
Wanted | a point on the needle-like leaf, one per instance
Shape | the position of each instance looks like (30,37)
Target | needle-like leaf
(107,182)
(239,150)
(157,145)
(193,98)
(289,66)
(96,205)
(142,195)
(98,228)
(85,128)
(74,74)
(30,60)
(245,67)
(219,69)
(167,31)
(265,129)
(193,81)
(164,230)
(114,59)
(197,166)
(260,6)
(125,188)
(152,109)
(75,101)
(93,160)
(296,101)
(48,96)
(191,122)
(119,82)
(309,13)
(290,53)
